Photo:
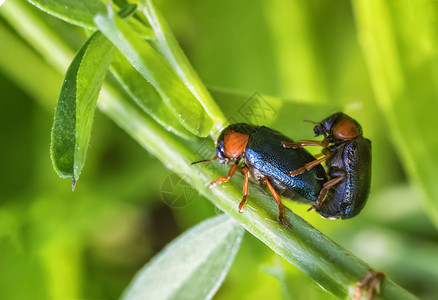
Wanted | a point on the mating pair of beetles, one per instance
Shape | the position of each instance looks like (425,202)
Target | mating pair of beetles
(288,170)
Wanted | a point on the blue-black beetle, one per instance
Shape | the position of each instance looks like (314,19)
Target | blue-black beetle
(260,150)
(347,156)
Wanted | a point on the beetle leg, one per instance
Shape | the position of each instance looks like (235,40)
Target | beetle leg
(318,155)
(299,144)
(277,199)
(245,188)
(328,185)
(326,154)
(371,281)
(308,166)
(225,179)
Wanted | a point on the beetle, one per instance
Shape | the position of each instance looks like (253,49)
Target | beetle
(260,150)
(347,156)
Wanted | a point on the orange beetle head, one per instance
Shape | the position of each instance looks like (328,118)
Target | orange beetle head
(231,145)
(232,142)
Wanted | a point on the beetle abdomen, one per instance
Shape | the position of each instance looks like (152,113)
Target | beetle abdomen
(265,153)
(348,198)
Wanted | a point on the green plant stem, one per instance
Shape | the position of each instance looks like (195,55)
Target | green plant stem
(170,49)
(331,266)
(37,32)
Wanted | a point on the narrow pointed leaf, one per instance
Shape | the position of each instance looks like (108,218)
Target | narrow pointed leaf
(145,95)
(155,69)
(78,12)
(76,104)
(82,13)
(191,267)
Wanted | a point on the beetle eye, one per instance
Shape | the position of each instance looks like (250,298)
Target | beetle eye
(220,153)
(318,130)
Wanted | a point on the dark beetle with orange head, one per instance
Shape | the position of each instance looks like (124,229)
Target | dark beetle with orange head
(260,151)
(347,156)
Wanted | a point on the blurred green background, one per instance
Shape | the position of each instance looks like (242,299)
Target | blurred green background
(375,60)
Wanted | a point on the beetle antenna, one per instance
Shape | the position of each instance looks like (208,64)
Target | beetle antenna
(314,123)
(204,160)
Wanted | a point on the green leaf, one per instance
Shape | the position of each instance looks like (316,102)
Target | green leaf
(82,12)
(399,43)
(191,267)
(145,95)
(76,104)
(78,12)
(184,105)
